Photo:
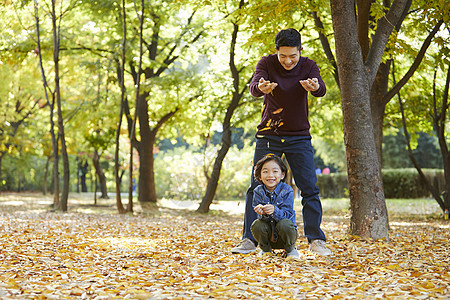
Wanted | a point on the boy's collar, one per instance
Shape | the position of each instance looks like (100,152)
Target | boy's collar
(277,189)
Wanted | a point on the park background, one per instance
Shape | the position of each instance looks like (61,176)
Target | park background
(195,62)
(148,101)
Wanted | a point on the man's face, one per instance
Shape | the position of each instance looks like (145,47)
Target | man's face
(288,57)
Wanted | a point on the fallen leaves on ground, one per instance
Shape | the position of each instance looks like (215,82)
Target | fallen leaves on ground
(179,254)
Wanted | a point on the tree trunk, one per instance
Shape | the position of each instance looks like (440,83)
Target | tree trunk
(367,203)
(47,163)
(226,125)
(61,135)
(439,120)
(121,77)
(1,180)
(100,174)
(78,174)
(147,189)
(83,170)
(215,175)
(119,204)
(55,158)
(137,81)
(51,105)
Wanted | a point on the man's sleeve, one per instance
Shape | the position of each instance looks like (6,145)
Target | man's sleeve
(315,73)
(261,71)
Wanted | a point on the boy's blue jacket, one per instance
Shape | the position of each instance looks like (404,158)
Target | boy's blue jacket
(282,198)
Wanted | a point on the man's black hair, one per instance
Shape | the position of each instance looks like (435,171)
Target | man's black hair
(288,38)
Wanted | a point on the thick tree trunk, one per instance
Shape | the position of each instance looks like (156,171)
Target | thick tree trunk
(367,203)
(147,189)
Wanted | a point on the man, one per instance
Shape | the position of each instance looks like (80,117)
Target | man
(284,79)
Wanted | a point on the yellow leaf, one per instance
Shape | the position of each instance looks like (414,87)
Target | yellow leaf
(278,111)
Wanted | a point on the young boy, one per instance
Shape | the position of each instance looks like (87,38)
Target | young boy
(273,201)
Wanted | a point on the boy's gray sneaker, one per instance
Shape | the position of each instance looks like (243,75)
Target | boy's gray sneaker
(293,254)
(245,246)
(318,247)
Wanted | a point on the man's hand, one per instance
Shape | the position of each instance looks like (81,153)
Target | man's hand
(266,86)
(310,84)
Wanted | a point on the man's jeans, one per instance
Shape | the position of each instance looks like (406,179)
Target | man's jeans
(300,156)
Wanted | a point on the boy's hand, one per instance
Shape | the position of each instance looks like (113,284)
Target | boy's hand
(310,84)
(268,209)
(259,209)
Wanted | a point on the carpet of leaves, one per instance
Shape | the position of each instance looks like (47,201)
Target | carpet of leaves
(179,254)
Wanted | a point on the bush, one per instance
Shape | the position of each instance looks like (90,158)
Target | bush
(406,183)
(333,185)
(398,183)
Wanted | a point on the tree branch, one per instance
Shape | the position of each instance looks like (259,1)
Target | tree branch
(420,55)
(326,45)
(433,190)
(170,114)
(385,26)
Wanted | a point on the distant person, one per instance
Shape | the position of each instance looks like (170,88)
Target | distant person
(326,171)
(318,171)
(285,79)
(273,201)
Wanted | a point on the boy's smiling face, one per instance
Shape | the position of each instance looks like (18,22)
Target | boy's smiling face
(271,175)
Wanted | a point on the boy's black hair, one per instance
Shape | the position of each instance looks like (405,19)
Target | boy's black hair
(288,38)
(262,161)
